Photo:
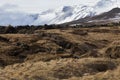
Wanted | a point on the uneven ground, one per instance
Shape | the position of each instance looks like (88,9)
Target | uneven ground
(56,54)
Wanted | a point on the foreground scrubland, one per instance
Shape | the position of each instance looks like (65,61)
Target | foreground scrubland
(56,54)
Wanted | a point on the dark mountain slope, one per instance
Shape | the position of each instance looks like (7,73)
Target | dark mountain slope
(104,18)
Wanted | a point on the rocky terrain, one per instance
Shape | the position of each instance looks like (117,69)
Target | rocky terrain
(61,54)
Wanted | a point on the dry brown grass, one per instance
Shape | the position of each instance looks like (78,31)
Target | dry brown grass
(71,54)
(62,69)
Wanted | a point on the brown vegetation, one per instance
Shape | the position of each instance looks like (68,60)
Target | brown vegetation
(33,53)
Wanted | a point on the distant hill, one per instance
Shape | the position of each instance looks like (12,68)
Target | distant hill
(60,15)
(104,18)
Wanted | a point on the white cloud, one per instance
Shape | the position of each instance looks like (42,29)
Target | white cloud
(41,5)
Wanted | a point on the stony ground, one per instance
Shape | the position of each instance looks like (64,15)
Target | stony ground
(57,54)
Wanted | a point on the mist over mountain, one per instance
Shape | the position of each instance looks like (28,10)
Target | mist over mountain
(112,16)
(56,16)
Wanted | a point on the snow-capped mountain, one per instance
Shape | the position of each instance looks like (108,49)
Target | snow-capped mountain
(57,16)
(112,16)
(71,13)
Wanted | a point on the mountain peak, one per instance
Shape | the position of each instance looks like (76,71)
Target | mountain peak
(62,14)
(115,10)
(104,18)
(113,13)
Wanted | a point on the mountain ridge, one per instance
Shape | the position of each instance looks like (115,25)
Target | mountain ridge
(104,18)
(57,16)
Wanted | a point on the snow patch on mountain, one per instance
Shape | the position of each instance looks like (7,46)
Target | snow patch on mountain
(104,6)
(71,13)
(56,16)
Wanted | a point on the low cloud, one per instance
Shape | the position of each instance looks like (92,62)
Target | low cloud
(8,7)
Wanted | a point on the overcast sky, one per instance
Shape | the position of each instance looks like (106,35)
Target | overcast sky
(37,6)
